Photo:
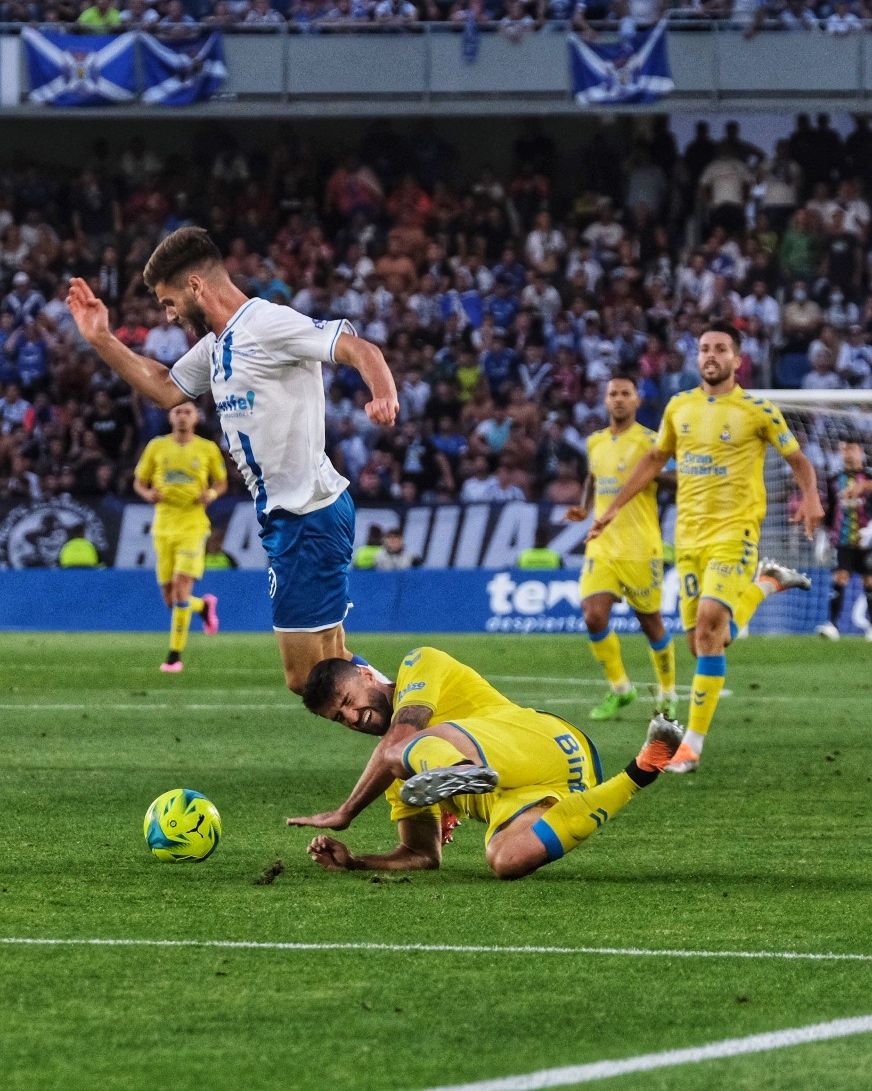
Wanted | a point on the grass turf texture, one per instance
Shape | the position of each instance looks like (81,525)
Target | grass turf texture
(767,848)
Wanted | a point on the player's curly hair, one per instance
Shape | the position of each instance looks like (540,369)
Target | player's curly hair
(184,249)
(320,688)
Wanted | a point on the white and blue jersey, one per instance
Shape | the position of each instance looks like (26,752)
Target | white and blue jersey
(264,371)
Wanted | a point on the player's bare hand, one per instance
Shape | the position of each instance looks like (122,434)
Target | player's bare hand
(327,820)
(331,854)
(382,410)
(575,514)
(89,312)
(810,513)
(598,526)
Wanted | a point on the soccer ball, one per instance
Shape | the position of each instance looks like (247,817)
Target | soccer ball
(182,825)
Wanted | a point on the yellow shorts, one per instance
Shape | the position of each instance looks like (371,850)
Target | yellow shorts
(179,553)
(723,572)
(639,582)
(538,757)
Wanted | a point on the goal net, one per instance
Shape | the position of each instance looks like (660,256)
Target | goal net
(820,420)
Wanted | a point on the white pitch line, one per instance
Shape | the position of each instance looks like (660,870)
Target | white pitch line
(437,948)
(572,1076)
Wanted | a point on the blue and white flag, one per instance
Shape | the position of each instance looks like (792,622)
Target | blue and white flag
(80,69)
(178,73)
(634,69)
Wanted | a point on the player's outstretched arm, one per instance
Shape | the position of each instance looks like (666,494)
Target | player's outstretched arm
(146,376)
(376,777)
(420,849)
(647,468)
(810,511)
(374,370)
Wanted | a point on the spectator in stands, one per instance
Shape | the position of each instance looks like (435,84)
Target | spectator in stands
(165,342)
(823,375)
(801,320)
(138,15)
(393,555)
(261,14)
(13,409)
(23,302)
(102,15)
(724,186)
(176,23)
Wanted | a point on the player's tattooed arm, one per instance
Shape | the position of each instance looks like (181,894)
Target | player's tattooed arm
(376,778)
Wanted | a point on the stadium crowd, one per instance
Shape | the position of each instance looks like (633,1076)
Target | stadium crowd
(502,307)
(513,18)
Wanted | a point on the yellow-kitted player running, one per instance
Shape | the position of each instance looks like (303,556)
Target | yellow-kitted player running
(718,435)
(181,474)
(627,560)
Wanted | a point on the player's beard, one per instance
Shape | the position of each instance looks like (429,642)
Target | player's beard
(381,712)
(716,377)
(195,317)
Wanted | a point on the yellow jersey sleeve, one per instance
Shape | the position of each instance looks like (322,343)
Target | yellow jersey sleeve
(419,680)
(145,467)
(665,440)
(217,468)
(775,429)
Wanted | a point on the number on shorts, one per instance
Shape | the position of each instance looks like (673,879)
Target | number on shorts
(691,586)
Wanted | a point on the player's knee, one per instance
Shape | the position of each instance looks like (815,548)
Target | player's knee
(508,860)
(596,619)
(295,681)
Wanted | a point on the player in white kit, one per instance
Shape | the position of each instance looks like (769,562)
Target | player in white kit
(263,364)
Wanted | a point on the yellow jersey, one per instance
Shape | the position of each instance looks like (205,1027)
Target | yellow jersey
(450,689)
(719,445)
(181,473)
(634,533)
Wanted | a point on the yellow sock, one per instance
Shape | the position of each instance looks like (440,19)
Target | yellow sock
(706,692)
(606,650)
(748,603)
(196,604)
(565,825)
(179,626)
(431,752)
(662,654)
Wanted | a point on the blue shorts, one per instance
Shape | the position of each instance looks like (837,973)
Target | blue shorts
(309,557)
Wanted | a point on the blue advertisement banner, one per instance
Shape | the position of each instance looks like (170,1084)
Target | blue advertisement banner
(503,600)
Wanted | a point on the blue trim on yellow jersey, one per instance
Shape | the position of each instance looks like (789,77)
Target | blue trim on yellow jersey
(520,811)
(549,839)
(595,638)
(712,666)
(472,739)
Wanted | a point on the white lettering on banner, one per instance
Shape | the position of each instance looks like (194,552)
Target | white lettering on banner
(386,518)
(569,541)
(135,549)
(515,530)
(525,606)
(241,538)
(472,535)
(445,523)
(415,531)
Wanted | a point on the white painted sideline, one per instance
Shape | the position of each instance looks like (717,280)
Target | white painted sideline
(433,948)
(574,1075)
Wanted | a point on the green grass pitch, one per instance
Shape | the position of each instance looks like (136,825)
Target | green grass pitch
(767,849)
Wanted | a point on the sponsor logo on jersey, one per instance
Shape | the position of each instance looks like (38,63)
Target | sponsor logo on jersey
(237,405)
(410,688)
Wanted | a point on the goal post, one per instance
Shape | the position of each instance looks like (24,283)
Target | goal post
(819,419)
